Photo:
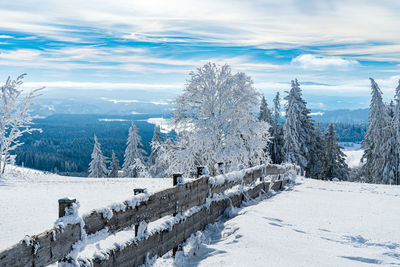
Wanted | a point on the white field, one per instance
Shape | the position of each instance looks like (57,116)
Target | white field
(314,223)
(29,199)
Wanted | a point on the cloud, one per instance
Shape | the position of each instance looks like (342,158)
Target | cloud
(101,85)
(309,61)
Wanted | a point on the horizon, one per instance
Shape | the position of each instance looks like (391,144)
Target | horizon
(134,46)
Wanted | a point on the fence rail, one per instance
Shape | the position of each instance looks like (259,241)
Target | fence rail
(56,243)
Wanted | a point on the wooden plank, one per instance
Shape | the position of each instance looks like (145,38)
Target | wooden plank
(165,202)
(160,243)
(52,245)
(277,185)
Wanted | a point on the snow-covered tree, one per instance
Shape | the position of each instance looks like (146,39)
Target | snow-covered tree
(133,159)
(156,148)
(375,141)
(114,167)
(97,167)
(297,128)
(333,160)
(396,125)
(15,117)
(265,113)
(277,132)
(216,122)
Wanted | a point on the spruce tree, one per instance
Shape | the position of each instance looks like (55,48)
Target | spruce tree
(375,139)
(315,151)
(153,162)
(277,132)
(333,160)
(114,167)
(265,113)
(296,128)
(133,158)
(265,116)
(97,167)
(396,125)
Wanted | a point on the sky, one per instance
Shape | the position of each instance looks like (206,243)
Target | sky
(332,47)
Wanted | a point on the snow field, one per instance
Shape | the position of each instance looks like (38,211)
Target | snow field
(30,205)
(315,223)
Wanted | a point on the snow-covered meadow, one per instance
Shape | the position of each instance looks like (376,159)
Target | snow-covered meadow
(314,223)
(29,198)
(311,223)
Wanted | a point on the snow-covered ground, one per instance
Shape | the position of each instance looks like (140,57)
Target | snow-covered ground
(354,153)
(29,198)
(315,223)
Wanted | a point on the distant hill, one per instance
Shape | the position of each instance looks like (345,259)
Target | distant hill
(357,116)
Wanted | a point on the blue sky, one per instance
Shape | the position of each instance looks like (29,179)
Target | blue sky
(332,47)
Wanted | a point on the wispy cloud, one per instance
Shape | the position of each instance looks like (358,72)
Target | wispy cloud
(315,62)
(154,44)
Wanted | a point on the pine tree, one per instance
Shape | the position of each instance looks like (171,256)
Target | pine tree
(153,161)
(265,116)
(315,151)
(265,113)
(296,128)
(375,139)
(97,167)
(133,158)
(333,160)
(396,125)
(114,167)
(277,133)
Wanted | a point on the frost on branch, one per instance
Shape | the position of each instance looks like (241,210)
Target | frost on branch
(15,117)
(215,122)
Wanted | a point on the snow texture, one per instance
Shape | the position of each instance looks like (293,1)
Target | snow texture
(303,226)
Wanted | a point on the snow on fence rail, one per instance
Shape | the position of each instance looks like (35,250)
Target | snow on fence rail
(194,204)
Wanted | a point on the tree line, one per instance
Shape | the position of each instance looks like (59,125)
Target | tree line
(215,122)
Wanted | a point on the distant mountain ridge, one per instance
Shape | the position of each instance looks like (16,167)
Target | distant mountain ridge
(357,116)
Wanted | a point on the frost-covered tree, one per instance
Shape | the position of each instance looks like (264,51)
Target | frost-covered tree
(97,167)
(216,122)
(297,128)
(265,113)
(396,125)
(133,159)
(333,160)
(156,148)
(277,132)
(265,116)
(375,141)
(315,151)
(114,167)
(15,117)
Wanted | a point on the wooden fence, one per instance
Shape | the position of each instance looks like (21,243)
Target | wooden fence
(56,243)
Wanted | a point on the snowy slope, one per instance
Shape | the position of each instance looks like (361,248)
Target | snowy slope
(29,198)
(317,223)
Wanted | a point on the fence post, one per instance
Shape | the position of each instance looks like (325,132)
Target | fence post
(135,192)
(176,179)
(64,203)
(221,167)
(200,171)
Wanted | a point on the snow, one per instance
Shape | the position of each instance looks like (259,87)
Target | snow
(354,153)
(29,198)
(314,223)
